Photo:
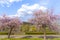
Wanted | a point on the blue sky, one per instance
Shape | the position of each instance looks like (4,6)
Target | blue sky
(24,8)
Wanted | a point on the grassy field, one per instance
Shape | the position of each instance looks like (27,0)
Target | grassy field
(28,39)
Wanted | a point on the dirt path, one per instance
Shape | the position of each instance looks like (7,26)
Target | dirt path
(33,36)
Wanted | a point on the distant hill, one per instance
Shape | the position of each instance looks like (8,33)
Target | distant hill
(27,23)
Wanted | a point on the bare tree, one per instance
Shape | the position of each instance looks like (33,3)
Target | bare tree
(11,23)
(44,19)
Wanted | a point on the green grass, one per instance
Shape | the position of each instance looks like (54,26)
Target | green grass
(28,39)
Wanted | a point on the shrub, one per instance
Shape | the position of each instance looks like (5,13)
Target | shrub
(39,33)
(5,33)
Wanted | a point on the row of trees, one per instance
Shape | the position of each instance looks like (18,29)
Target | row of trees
(40,19)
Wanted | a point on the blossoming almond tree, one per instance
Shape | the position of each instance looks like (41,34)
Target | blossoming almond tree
(9,22)
(44,19)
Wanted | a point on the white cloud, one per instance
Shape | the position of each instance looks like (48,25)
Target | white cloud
(28,9)
(42,8)
(8,2)
(14,0)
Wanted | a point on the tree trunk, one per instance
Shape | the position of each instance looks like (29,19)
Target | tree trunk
(10,32)
(44,34)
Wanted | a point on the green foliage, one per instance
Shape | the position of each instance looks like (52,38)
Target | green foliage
(33,28)
(25,28)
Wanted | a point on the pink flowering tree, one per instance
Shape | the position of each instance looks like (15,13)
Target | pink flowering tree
(43,19)
(11,23)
